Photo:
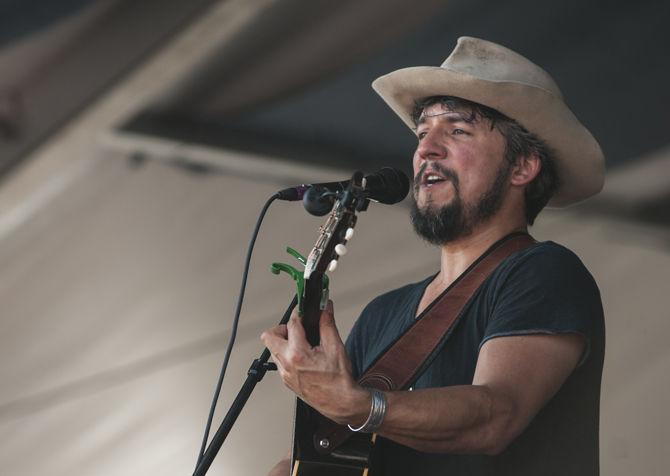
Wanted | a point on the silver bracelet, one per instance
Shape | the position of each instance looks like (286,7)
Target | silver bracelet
(377,412)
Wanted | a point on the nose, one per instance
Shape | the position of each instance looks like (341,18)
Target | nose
(430,148)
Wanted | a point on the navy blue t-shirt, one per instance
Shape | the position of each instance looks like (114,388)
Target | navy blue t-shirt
(544,289)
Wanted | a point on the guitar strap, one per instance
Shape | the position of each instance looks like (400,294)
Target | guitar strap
(411,353)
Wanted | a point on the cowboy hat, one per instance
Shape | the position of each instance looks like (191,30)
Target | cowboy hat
(492,75)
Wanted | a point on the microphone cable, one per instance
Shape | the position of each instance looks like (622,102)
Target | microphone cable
(233,332)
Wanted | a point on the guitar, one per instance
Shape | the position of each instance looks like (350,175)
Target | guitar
(312,455)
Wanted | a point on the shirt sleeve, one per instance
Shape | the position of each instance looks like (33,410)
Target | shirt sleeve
(546,291)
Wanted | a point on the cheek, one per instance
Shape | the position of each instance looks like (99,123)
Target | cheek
(416,164)
(478,182)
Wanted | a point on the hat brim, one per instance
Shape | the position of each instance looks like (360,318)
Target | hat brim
(580,163)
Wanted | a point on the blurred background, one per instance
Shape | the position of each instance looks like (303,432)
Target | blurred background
(139,140)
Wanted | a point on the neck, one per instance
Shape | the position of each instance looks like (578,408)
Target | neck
(459,254)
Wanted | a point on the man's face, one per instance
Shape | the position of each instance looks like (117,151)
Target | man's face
(459,174)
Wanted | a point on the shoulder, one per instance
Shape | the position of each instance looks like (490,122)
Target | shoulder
(545,262)
(546,286)
(545,289)
(544,283)
(545,251)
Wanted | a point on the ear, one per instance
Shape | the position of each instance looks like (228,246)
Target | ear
(525,170)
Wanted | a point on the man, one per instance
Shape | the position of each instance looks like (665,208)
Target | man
(515,389)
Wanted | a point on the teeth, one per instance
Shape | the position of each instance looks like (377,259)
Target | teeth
(433,178)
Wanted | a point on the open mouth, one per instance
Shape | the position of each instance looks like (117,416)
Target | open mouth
(430,176)
(431,179)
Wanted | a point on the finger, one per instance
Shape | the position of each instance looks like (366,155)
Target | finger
(330,336)
(279,331)
(280,366)
(296,332)
(275,340)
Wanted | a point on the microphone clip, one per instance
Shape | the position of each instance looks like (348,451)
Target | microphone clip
(319,200)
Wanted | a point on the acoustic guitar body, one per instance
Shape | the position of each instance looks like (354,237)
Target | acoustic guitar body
(312,457)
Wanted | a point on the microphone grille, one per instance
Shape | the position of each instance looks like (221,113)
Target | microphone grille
(393,186)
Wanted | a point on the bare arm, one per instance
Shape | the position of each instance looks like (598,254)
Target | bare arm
(515,376)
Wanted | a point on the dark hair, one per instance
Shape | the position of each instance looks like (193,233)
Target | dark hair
(518,143)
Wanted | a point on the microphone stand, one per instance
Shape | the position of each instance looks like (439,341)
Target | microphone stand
(255,374)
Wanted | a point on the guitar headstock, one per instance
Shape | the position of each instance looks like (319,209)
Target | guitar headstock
(331,244)
(329,247)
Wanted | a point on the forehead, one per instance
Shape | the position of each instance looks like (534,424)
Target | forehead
(444,111)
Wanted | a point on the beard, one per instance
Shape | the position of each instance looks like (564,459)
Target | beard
(456,219)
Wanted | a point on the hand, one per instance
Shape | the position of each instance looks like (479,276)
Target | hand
(321,375)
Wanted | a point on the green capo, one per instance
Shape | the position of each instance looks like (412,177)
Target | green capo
(298,277)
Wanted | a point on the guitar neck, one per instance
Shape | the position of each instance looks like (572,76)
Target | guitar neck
(312,308)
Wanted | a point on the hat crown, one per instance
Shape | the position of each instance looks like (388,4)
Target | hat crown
(490,61)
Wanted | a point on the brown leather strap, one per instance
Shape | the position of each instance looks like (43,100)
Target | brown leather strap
(398,366)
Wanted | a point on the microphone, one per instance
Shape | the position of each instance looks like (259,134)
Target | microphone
(388,186)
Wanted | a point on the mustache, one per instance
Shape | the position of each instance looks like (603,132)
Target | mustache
(446,172)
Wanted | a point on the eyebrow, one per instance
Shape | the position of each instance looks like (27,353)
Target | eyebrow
(452,117)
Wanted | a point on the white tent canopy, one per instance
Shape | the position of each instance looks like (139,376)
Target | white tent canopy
(118,281)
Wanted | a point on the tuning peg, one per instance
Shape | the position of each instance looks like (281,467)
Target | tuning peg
(348,234)
(332,266)
(340,249)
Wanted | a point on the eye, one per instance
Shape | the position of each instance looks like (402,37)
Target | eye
(458,132)
(421,134)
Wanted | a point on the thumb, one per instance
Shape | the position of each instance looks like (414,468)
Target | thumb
(330,336)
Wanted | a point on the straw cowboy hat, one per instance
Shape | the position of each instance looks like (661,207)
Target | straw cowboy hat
(497,77)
